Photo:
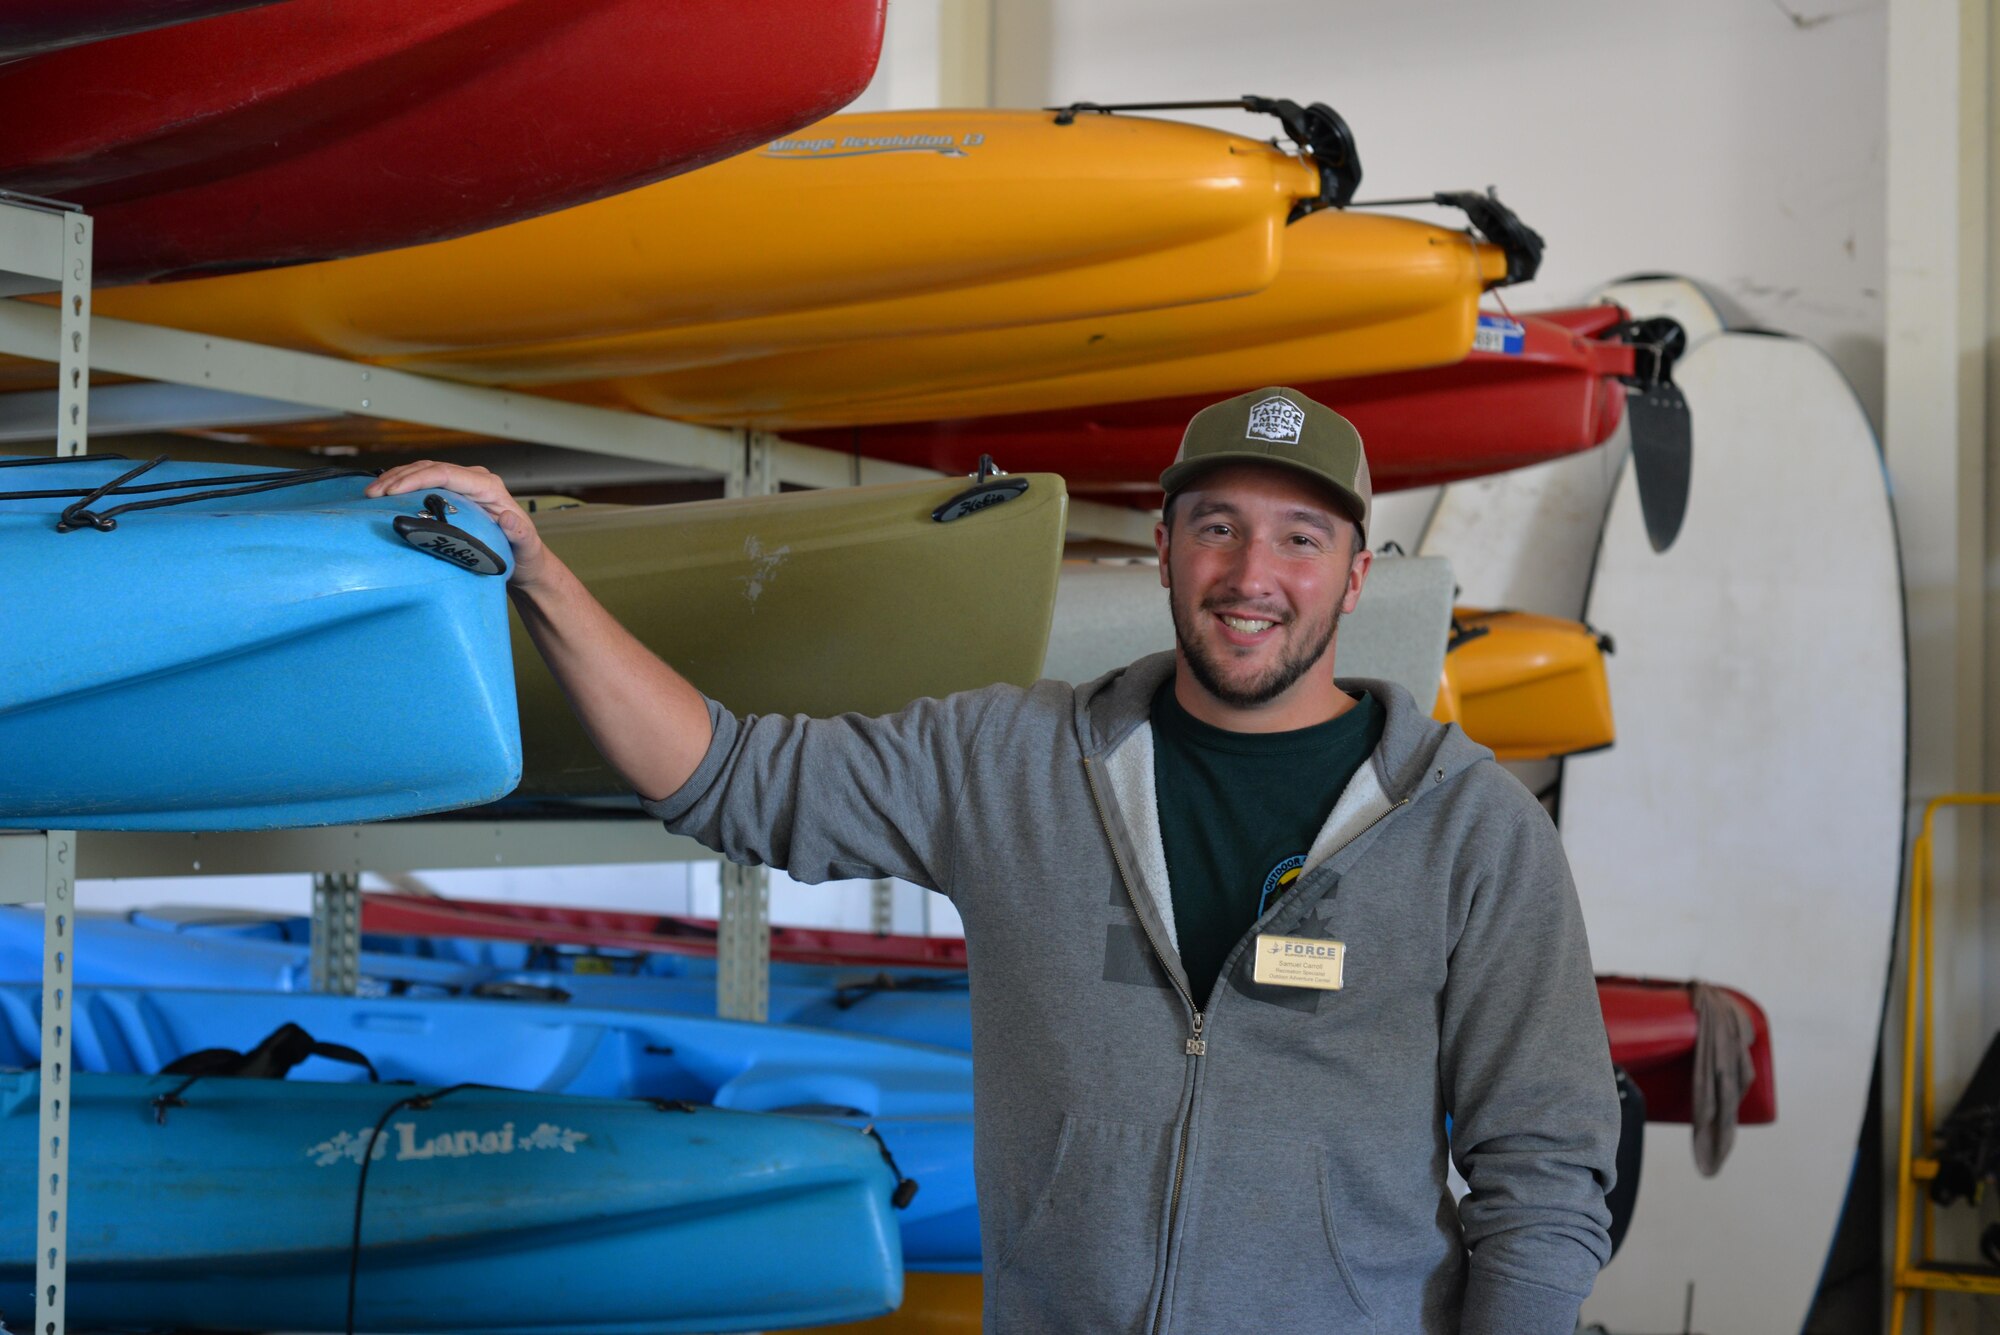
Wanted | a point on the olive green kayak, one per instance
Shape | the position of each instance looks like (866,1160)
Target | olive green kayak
(856,599)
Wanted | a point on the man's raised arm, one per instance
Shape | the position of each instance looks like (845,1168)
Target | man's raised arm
(646,719)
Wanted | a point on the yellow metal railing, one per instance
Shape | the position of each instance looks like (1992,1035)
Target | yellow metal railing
(1917,1272)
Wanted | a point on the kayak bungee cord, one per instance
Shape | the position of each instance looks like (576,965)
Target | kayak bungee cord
(78,515)
(1520,243)
(849,995)
(55,458)
(1317,130)
(418,1102)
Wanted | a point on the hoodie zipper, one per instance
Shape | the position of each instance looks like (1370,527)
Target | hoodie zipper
(1196,1046)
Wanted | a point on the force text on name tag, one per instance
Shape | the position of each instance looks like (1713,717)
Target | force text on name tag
(1299,961)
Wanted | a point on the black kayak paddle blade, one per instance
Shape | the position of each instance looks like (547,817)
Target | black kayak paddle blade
(1662,458)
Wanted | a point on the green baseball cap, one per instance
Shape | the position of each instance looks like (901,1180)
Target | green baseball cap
(1283,427)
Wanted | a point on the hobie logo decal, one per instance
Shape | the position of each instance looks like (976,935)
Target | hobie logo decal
(432,536)
(437,544)
(1276,418)
(408,1143)
(863,145)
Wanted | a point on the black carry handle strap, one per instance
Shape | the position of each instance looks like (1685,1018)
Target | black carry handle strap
(1316,128)
(273,1059)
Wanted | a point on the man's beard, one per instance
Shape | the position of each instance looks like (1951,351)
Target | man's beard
(1306,650)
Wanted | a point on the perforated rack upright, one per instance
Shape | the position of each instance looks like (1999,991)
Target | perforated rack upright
(45,245)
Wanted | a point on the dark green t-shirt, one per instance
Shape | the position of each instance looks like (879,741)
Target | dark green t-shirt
(1238,814)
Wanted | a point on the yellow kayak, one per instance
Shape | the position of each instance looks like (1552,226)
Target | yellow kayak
(886,224)
(1357,294)
(1529,687)
(932,1305)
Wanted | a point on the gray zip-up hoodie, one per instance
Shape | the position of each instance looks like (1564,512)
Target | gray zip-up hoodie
(1266,1159)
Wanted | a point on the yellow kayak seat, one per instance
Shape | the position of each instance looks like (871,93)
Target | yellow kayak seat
(1357,294)
(899,223)
(932,1305)
(1529,687)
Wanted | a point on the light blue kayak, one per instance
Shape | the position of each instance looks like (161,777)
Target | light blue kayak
(213,647)
(918,1098)
(229,1204)
(229,949)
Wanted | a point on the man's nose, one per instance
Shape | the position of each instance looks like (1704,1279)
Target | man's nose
(1251,572)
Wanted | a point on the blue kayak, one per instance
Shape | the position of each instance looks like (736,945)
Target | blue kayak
(220,948)
(213,647)
(229,1204)
(918,1098)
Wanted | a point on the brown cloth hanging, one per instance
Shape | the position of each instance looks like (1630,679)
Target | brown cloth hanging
(1722,1072)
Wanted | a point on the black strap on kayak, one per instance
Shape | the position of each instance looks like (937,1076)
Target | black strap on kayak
(190,491)
(1520,243)
(906,1187)
(418,1102)
(30,461)
(507,989)
(1317,130)
(849,995)
(273,1059)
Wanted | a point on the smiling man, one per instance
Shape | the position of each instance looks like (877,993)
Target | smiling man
(1243,935)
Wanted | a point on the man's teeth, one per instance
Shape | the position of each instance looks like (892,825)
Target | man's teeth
(1247,625)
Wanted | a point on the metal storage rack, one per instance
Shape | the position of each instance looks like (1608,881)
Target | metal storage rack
(45,245)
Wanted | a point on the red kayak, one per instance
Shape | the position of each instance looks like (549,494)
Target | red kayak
(31,26)
(1535,387)
(312,129)
(1651,1022)
(1652,1027)
(611,929)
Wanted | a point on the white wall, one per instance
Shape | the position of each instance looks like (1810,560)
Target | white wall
(1722,139)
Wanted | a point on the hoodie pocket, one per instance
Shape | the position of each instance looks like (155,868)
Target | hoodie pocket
(1261,1248)
(1085,1253)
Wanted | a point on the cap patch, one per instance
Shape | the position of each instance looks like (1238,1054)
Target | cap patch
(1276,418)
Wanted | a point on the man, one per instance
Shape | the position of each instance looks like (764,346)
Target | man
(1242,937)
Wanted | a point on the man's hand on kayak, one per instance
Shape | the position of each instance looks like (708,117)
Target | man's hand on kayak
(644,717)
(485,489)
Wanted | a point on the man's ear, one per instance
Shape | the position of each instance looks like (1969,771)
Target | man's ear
(1160,544)
(1357,575)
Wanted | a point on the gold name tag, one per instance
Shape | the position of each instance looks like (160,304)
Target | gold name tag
(1299,961)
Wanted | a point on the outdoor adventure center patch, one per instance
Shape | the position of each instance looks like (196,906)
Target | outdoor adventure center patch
(1280,880)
